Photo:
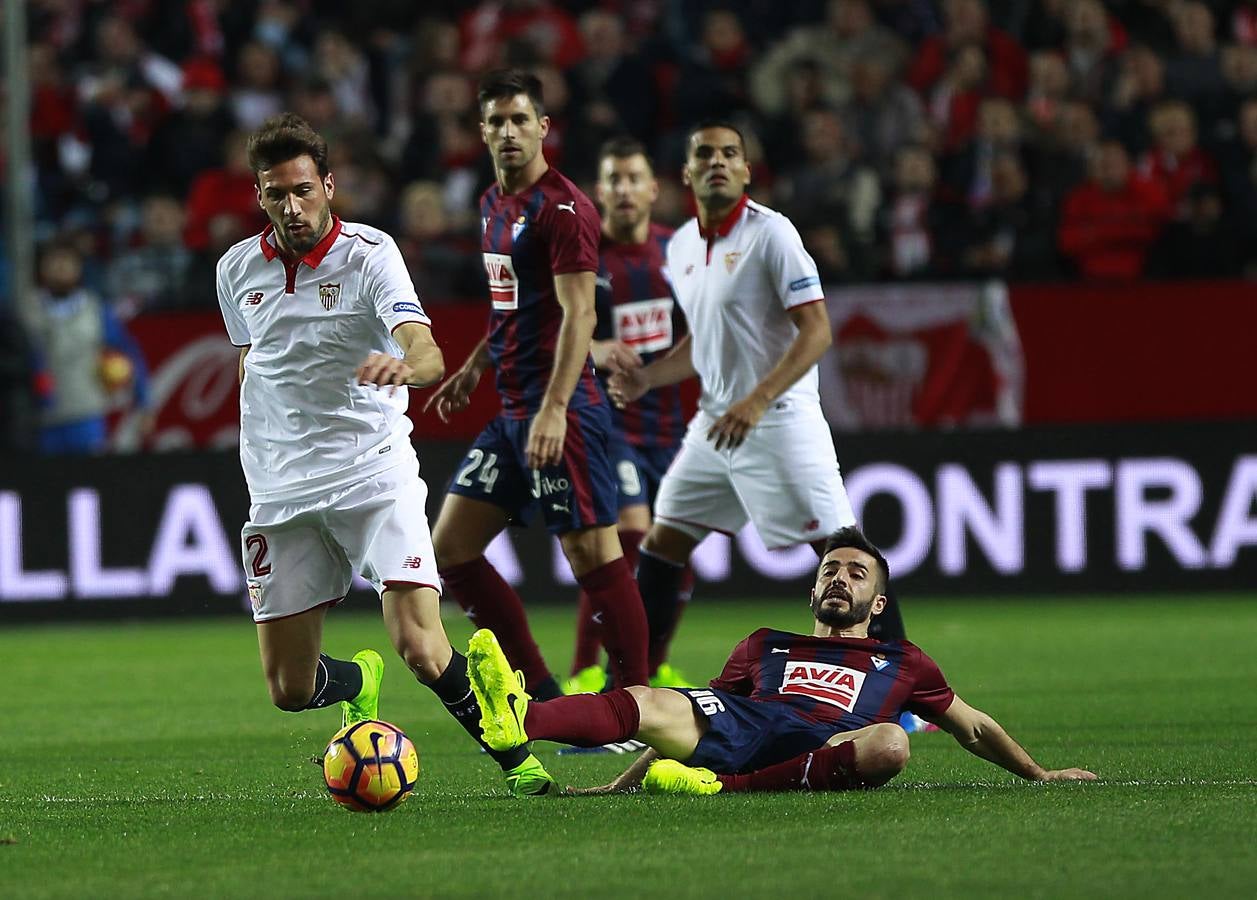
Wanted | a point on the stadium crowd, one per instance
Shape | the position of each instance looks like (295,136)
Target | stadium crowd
(907,139)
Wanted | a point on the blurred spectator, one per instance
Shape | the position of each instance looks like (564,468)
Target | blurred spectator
(1092,45)
(256,95)
(1205,245)
(1063,157)
(612,88)
(1109,222)
(231,189)
(830,184)
(1195,71)
(848,33)
(189,140)
(1175,160)
(1239,174)
(152,276)
(1013,235)
(967,172)
(1138,88)
(911,218)
(487,29)
(882,114)
(954,98)
(712,80)
(222,230)
(966,24)
(443,265)
(86,353)
(343,67)
(1049,89)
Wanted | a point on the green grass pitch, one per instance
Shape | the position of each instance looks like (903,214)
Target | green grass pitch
(143,760)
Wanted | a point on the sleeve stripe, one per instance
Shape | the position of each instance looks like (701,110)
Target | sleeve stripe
(820,299)
(427,322)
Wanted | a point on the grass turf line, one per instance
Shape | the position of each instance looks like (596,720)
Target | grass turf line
(145,760)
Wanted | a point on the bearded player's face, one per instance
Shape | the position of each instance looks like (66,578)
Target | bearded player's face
(511,130)
(845,592)
(626,189)
(298,201)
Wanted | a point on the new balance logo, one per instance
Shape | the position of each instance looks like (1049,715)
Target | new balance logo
(570,207)
(253,298)
(412,562)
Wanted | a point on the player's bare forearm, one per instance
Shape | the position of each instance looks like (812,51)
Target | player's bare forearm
(628,780)
(422,355)
(985,738)
(244,351)
(479,359)
(815,337)
(674,367)
(575,293)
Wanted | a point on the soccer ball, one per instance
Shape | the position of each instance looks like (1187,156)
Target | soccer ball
(370,766)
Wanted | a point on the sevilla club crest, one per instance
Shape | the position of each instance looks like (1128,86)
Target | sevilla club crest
(329,295)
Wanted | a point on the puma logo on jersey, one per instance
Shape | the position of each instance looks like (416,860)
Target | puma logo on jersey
(570,207)
(780,650)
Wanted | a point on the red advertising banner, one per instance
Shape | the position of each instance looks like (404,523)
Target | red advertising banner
(922,356)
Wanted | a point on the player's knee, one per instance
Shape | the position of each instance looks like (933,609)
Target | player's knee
(888,751)
(668,543)
(646,705)
(289,693)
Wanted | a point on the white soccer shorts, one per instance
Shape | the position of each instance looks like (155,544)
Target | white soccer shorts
(299,555)
(784,479)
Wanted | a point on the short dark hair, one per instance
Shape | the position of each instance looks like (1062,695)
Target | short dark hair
(853,537)
(623,147)
(502,84)
(716,122)
(284,137)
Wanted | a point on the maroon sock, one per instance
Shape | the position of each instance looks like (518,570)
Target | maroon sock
(585,720)
(492,603)
(588,636)
(826,769)
(629,542)
(613,593)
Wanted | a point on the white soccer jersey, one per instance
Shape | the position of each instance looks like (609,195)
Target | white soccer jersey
(306,426)
(735,285)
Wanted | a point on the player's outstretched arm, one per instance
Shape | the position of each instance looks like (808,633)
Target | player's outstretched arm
(454,395)
(629,385)
(421,365)
(983,736)
(809,345)
(628,780)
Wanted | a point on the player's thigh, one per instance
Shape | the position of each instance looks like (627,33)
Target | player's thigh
(581,490)
(634,518)
(412,615)
(697,492)
(489,488)
(669,721)
(289,649)
(793,495)
(291,567)
(382,525)
(588,548)
(667,541)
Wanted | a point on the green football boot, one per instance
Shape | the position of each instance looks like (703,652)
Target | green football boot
(589,680)
(668,676)
(667,776)
(529,779)
(499,691)
(366,705)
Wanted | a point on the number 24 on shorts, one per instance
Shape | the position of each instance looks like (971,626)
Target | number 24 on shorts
(488,472)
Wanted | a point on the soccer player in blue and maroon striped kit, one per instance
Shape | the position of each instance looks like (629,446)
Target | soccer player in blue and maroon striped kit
(638,321)
(547,449)
(789,711)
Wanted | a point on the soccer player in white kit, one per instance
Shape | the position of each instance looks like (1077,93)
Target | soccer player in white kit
(330,327)
(759,448)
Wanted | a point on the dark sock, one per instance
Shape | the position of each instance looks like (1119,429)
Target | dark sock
(584,720)
(588,636)
(826,769)
(659,581)
(888,624)
(613,594)
(492,603)
(545,689)
(454,690)
(334,680)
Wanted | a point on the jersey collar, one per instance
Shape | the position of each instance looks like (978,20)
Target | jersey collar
(317,252)
(723,229)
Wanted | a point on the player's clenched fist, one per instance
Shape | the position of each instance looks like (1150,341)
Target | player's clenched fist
(385,370)
(454,395)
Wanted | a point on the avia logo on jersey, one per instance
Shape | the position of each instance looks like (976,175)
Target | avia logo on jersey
(835,685)
(503,287)
(329,295)
(646,325)
(253,298)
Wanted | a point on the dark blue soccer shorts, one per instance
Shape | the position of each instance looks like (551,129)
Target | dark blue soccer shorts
(579,492)
(744,735)
(638,470)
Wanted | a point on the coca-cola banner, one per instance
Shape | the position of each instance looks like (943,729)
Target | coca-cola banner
(922,355)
